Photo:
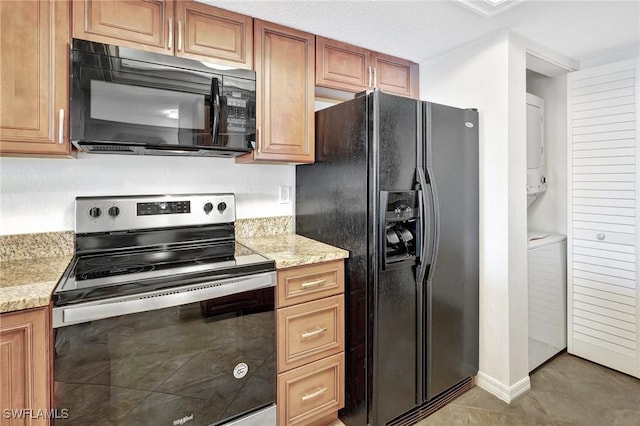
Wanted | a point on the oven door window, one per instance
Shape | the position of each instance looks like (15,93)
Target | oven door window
(204,362)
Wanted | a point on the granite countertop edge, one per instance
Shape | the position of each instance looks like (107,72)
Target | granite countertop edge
(29,283)
(292,250)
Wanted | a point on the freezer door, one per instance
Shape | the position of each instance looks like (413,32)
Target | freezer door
(332,198)
(451,297)
(393,140)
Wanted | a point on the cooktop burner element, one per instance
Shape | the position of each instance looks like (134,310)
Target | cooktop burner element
(153,242)
(114,269)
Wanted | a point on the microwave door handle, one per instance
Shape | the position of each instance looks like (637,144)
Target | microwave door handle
(215,114)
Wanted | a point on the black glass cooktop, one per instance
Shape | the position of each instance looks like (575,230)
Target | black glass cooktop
(108,274)
(112,265)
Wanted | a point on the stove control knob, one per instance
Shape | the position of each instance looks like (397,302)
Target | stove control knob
(95,212)
(222,206)
(114,211)
(207,207)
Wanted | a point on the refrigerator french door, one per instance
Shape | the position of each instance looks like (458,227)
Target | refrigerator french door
(395,182)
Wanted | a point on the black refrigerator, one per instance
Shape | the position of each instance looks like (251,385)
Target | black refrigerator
(395,183)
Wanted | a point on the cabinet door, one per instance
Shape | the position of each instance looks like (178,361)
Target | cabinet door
(284,63)
(208,33)
(395,75)
(24,363)
(603,290)
(34,90)
(143,24)
(342,66)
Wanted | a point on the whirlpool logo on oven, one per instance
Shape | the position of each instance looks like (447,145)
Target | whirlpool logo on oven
(179,422)
(240,370)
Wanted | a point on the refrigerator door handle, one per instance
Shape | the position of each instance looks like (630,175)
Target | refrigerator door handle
(426,224)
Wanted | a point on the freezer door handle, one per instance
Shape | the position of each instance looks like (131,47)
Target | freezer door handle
(426,224)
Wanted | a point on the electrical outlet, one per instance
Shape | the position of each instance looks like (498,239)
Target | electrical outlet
(284,194)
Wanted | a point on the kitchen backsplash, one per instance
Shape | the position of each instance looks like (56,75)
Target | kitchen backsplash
(27,246)
(49,244)
(37,194)
(260,227)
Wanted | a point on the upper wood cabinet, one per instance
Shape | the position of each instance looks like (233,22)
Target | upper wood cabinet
(395,75)
(346,67)
(145,24)
(342,66)
(181,28)
(284,64)
(24,363)
(34,77)
(209,32)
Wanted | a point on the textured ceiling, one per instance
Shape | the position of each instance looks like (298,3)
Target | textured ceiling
(421,29)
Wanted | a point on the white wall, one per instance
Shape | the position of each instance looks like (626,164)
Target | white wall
(477,76)
(37,194)
(549,211)
(517,171)
(490,74)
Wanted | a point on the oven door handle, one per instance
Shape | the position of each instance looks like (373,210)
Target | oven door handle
(92,311)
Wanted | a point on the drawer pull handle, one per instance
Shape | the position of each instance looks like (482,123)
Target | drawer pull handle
(316,332)
(315,283)
(308,396)
(601,236)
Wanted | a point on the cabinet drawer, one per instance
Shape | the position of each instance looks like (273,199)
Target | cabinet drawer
(311,392)
(310,331)
(312,282)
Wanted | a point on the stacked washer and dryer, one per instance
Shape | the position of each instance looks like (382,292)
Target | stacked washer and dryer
(547,255)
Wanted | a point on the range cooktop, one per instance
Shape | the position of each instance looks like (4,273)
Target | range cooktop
(129,245)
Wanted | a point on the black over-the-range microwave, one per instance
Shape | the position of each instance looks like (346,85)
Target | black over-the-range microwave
(129,101)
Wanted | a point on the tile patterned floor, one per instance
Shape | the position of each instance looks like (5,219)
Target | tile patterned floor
(566,391)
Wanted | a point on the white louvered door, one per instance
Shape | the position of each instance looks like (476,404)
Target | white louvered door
(603,212)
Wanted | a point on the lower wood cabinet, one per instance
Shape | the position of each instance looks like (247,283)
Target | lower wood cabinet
(313,393)
(310,319)
(310,331)
(25,367)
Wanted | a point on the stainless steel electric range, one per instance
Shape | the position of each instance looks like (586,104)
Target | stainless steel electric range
(162,318)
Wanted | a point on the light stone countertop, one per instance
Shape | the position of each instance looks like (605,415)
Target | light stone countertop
(293,250)
(28,283)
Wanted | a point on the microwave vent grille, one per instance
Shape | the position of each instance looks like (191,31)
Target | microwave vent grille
(108,148)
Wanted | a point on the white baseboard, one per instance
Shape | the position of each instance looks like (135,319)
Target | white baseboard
(500,390)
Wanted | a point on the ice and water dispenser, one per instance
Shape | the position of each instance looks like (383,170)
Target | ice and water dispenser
(400,220)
